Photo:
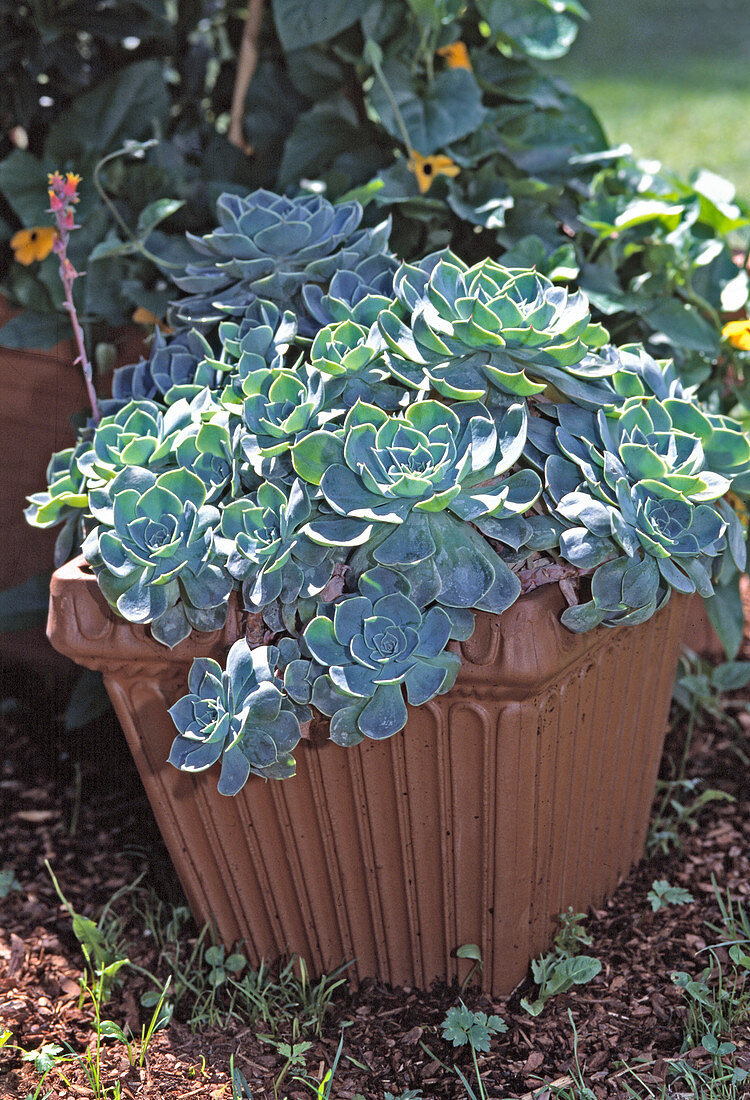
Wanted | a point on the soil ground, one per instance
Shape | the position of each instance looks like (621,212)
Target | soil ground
(74,800)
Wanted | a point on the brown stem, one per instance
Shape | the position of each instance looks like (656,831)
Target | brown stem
(246,65)
(548,573)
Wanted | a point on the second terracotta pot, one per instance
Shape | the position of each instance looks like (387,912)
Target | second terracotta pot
(42,390)
(524,790)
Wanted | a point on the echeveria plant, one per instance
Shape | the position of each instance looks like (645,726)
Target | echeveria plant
(369,454)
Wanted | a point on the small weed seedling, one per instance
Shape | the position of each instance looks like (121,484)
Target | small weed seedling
(240,1087)
(44,1058)
(699,693)
(101,950)
(735,922)
(571,936)
(293,1053)
(690,1082)
(8,882)
(160,1018)
(562,967)
(718,1005)
(321,1090)
(473,952)
(662,895)
(681,804)
(463,1027)
(700,689)
(222,988)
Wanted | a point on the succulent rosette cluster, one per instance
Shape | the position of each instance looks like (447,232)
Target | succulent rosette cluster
(270,247)
(371,644)
(176,368)
(227,715)
(351,359)
(368,455)
(641,502)
(265,547)
(153,555)
(466,331)
(357,294)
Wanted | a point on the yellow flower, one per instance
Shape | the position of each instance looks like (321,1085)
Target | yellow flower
(33,244)
(737,333)
(456,56)
(426,168)
(143,316)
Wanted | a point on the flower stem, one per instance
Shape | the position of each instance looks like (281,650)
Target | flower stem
(83,358)
(137,243)
(374,59)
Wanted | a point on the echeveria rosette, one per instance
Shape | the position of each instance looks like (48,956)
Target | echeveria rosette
(379,467)
(725,446)
(372,648)
(239,715)
(358,294)
(265,549)
(153,553)
(65,501)
(271,246)
(140,434)
(66,494)
(205,448)
(178,366)
(258,339)
(299,674)
(403,488)
(350,357)
(638,374)
(466,330)
(632,485)
(279,406)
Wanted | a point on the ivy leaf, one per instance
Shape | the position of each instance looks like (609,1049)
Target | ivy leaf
(448,109)
(157,212)
(123,106)
(321,134)
(300,23)
(23,182)
(683,325)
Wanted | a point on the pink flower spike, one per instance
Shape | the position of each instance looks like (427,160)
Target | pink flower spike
(63,195)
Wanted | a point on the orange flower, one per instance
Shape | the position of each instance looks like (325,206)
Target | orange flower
(456,56)
(737,333)
(33,244)
(740,508)
(426,168)
(143,316)
(70,187)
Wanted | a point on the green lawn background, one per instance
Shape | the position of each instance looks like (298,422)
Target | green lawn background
(672,79)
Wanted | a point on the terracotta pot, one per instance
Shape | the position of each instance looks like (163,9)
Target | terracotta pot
(41,391)
(524,790)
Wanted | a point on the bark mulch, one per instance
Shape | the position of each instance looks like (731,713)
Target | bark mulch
(75,801)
